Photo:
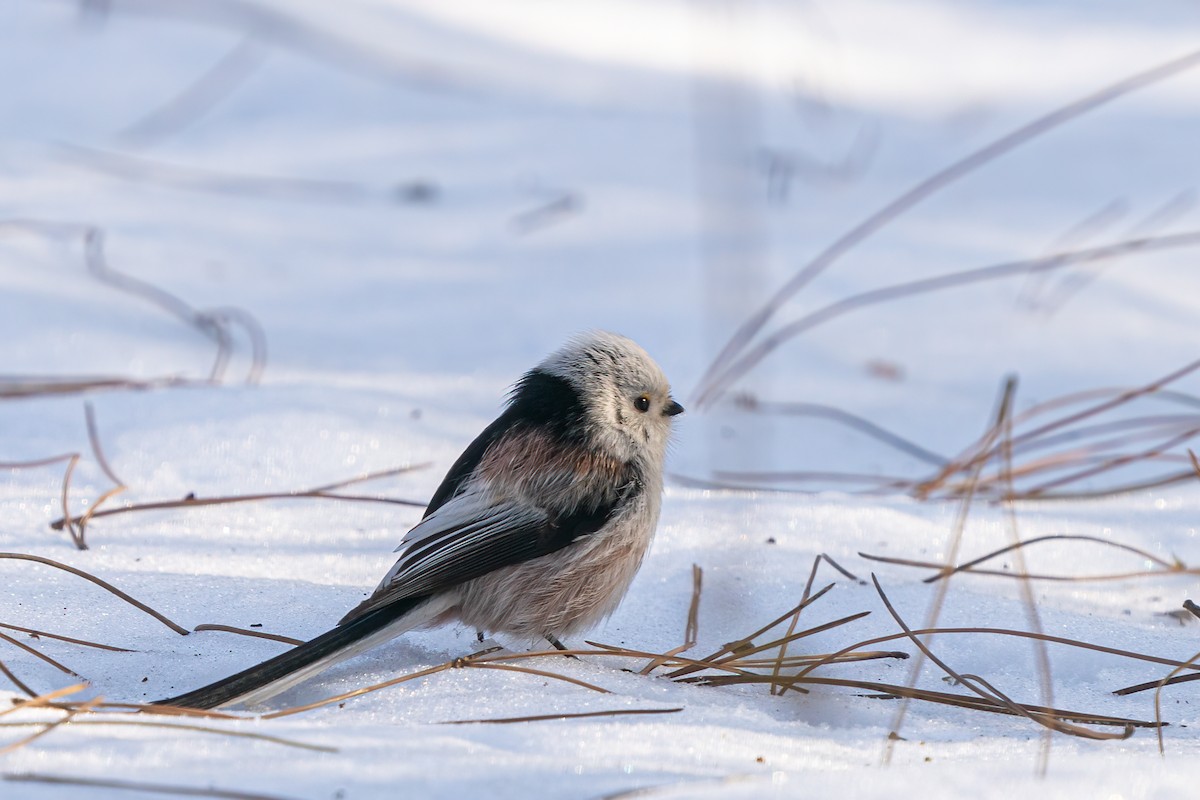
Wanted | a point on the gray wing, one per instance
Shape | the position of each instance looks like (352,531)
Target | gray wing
(470,536)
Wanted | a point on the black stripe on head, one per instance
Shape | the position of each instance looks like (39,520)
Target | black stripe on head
(548,402)
(538,400)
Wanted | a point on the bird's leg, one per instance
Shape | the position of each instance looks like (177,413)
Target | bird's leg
(479,636)
(553,640)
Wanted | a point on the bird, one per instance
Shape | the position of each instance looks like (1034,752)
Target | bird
(536,531)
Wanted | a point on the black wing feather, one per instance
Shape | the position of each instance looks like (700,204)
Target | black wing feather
(539,399)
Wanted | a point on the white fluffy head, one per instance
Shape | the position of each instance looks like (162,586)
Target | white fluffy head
(626,397)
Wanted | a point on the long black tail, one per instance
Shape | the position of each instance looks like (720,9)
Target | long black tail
(326,647)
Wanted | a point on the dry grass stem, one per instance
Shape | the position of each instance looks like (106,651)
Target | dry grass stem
(326,492)
(37,634)
(720,383)
(216,324)
(1080,449)
(691,627)
(956,537)
(15,681)
(539,672)
(145,723)
(36,654)
(742,644)
(133,786)
(998,573)
(50,726)
(182,631)
(23,386)
(341,698)
(988,692)
(275,637)
(623,712)
(44,700)
(714,381)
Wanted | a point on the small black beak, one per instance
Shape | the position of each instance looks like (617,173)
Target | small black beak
(672,408)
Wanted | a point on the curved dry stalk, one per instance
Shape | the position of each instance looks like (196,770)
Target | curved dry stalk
(691,627)
(357,692)
(970,702)
(1030,266)
(750,649)
(1169,479)
(37,462)
(1120,399)
(539,672)
(135,786)
(89,416)
(14,387)
(1032,617)
(38,634)
(1087,460)
(996,573)
(182,631)
(744,642)
(925,188)
(1171,680)
(934,610)
(1112,463)
(50,726)
(1099,648)
(37,654)
(234,67)
(1154,423)
(72,529)
(44,700)
(145,723)
(795,620)
(275,637)
(213,324)
(1055,537)
(853,421)
(21,685)
(986,690)
(325,492)
(155,709)
(621,712)
(75,528)
(821,658)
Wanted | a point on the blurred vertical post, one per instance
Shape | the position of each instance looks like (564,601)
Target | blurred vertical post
(727,122)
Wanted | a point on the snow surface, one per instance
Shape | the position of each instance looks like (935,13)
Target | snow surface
(417,201)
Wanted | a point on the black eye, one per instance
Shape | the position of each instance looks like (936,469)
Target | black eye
(642,403)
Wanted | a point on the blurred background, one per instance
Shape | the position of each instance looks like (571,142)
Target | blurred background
(424,198)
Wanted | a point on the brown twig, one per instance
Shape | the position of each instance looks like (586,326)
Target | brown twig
(812,575)
(691,628)
(145,723)
(325,492)
(132,786)
(43,700)
(182,631)
(275,637)
(38,634)
(578,715)
(709,383)
(988,692)
(6,672)
(37,654)
(50,726)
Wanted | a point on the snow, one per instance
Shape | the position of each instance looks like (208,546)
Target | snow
(417,202)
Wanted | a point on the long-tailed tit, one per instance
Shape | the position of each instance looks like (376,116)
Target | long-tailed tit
(536,531)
